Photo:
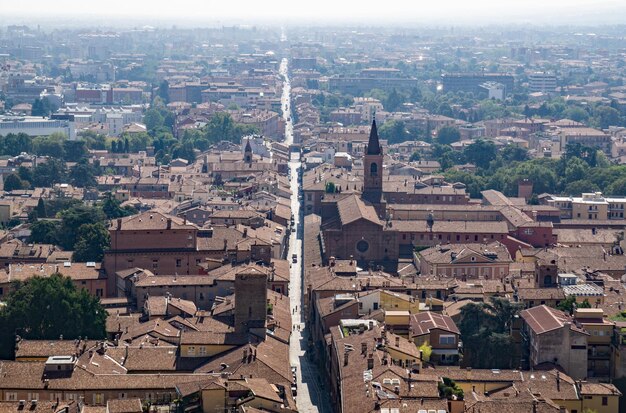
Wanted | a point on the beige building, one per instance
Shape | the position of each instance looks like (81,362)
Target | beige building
(553,337)
(487,261)
(589,206)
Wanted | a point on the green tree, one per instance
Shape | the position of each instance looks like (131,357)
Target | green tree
(330,188)
(394,131)
(13,182)
(153,119)
(577,114)
(51,172)
(605,116)
(394,101)
(448,135)
(50,146)
(112,208)
(26,174)
(61,310)
(40,209)
(485,333)
(72,219)
(567,305)
(448,389)
(576,188)
(92,241)
(513,153)
(75,151)
(164,91)
(14,145)
(618,187)
(576,169)
(43,232)
(83,175)
(415,156)
(480,153)
(426,351)
(43,107)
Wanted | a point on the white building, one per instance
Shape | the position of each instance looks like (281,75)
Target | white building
(36,126)
(541,82)
(494,90)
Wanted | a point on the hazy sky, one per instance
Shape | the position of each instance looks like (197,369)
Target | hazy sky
(363,11)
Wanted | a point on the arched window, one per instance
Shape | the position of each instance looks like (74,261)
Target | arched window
(374,169)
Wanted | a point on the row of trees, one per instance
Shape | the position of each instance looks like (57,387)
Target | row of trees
(53,171)
(580,169)
(76,227)
(55,145)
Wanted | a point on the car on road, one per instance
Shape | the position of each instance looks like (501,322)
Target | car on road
(294,391)
(294,258)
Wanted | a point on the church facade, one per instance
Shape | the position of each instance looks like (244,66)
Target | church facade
(354,226)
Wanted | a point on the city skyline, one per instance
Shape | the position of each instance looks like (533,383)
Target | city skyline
(198,13)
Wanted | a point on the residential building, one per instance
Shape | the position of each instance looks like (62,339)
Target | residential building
(551,336)
(440,332)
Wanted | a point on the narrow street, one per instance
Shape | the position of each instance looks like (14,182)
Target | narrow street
(311,397)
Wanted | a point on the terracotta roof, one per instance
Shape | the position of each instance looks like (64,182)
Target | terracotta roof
(151,220)
(124,406)
(599,389)
(543,319)
(425,321)
(352,208)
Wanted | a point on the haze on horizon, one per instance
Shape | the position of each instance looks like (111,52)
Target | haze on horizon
(285,12)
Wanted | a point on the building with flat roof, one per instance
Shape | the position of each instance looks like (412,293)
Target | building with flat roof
(36,126)
(471,82)
(541,82)
(590,206)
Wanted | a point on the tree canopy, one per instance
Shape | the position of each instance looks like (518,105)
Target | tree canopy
(485,331)
(62,311)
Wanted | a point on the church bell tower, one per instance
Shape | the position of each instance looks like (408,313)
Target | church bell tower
(373,169)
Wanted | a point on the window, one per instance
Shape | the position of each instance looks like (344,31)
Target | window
(605,401)
(375,306)
(191,351)
(99,292)
(362,246)
(202,351)
(374,169)
(10,396)
(155,263)
(179,262)
(122,395)
(446,339)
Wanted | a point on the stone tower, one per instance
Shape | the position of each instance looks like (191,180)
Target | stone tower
(373,168)
(250,301)
(247,153)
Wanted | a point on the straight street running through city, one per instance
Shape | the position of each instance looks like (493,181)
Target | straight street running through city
(311,395)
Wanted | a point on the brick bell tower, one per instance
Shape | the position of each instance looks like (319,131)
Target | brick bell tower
(373,169)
